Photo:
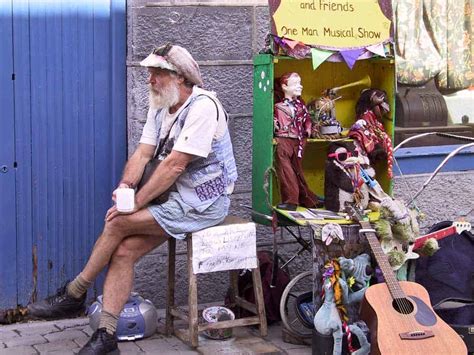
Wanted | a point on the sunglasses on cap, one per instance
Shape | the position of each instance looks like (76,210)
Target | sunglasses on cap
(163,50)
(343,156)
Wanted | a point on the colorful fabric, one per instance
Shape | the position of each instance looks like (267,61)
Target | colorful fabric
(439,31)
(292,120)
(369,132)
(288,166)
(333,273)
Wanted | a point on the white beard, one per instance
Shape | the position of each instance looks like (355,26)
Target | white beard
(166,98)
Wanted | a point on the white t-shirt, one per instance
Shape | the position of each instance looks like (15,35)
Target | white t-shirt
(200,127)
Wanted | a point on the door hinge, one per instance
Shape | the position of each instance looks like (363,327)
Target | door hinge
(13,76)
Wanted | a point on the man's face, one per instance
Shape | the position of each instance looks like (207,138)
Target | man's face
(164,88)
(293,88)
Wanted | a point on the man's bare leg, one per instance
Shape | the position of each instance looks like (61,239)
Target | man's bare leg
(115,231)
(120,276)
(119,280)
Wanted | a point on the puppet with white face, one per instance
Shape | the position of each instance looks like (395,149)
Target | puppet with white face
(292,125)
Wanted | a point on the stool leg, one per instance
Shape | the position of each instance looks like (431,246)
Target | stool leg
(192,297)
(234,286)
(257,286)
(171,284)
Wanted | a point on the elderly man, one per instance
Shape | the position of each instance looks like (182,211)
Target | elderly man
(186,130)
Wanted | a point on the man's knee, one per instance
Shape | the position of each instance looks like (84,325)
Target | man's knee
(127,249)
(118,226)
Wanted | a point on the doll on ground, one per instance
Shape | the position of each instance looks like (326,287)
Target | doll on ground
(292,125)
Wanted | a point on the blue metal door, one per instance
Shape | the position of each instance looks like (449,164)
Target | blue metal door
(69,138)
(8,245)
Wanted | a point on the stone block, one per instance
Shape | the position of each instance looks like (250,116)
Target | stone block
(137,92)
(155,345)
(66,346)
(129,347)
(25,340)
(38,328)
(237,199)
(241,134)
(209,33)
(69,334)
(233,85)
(445,198)
(81,341)
(78,323)
(135,129)
(8,334)
(262,27)
(19,350)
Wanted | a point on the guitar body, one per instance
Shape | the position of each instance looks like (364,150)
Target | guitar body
(386,324)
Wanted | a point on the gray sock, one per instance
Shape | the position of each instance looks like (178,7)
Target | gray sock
(78,287)
(108,321)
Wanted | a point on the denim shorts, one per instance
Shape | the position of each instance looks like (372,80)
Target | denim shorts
(177,218)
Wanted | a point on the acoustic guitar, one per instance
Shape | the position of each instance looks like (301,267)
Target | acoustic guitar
(399,314)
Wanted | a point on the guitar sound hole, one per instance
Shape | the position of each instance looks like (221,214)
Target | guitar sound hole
(403,305)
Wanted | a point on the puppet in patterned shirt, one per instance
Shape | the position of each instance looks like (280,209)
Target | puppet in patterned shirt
(292,125)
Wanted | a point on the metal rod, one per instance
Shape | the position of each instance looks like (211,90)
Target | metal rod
(440,166)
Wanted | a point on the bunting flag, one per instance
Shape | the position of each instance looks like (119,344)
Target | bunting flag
(377,49)
(292,44)
(350,56)
(319,56)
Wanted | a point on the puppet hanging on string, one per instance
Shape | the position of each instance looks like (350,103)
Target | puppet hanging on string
(368,131)
(292,126)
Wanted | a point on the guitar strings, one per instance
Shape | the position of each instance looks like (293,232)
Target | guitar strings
(403,303)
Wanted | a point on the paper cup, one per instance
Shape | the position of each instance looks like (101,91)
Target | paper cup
(125,199)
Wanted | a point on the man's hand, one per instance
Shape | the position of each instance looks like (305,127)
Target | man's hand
(113,212)
(121,186)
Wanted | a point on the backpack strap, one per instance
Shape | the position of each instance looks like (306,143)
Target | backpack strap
(217,108)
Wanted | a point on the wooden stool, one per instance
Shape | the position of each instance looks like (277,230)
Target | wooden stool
(190,334)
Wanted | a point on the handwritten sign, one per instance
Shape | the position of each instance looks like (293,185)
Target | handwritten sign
(226,247)
(331,23)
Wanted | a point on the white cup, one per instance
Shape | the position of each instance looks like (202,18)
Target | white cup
(125,199)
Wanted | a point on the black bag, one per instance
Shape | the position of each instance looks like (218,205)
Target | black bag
(150,168)
(271,295)
(448,276)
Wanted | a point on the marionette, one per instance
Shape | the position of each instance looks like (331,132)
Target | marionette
(342,179)
(292,126)
(368,130)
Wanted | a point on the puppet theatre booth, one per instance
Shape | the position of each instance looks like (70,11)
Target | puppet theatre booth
(324,98)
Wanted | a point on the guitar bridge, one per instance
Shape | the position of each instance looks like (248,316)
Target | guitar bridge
(418,334)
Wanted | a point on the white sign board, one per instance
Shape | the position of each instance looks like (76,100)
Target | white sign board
(226,247)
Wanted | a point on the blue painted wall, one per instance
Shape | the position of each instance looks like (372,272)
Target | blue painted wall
(66,135)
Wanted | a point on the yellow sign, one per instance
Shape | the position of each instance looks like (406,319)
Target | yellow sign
(332,23)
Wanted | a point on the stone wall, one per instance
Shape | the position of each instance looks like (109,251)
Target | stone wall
(223,36)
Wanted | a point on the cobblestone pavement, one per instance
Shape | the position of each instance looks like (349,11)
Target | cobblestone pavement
(67,336)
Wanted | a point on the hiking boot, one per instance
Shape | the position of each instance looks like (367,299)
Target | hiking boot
(100,343)
(60,305)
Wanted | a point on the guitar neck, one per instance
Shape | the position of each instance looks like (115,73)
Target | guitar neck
(438,235)
(382,261)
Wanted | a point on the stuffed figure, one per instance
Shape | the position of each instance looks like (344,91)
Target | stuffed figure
(323,111)
(342,180)
(332,318)
(368,130)
(397,229)
(292,125)
(357,273)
